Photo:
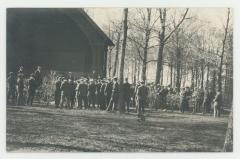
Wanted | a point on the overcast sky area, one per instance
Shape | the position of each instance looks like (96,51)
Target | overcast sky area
(213,17)
(216,16)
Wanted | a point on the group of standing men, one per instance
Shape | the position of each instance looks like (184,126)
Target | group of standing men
(21,87)
(97,93)
(104,93)
(201,100)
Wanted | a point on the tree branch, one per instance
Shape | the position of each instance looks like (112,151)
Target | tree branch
(177,26)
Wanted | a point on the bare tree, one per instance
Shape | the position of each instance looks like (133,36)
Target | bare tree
(163,38)
(222,53)
(145,49)
(118,32)
(228,144)
(121,68)
(142,29)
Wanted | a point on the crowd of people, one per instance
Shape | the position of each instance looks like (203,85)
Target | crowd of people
(103,94)
(17,85)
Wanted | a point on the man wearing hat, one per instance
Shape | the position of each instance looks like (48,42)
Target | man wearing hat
(126,93)
(135,94)
(142,94)
(72,92)
(11,86)
(82,90)
(217,101)
(79,104)
(98,96)
(31,89)
(20,89)
(70,76)
(57,93)
(164,93)
(38,77)
(102,95)
(114,97)
(65,93)
(184,100)
(108,91)
(20,71)
(91,93)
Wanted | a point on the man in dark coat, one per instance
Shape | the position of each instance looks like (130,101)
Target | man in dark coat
(102,95)
(208,98)
(65,93)
(158,98)
(164,93)
(135,104)
(11,92)
(142,98)
(79,103)
(72,87)
(217,102)
(114,97)
(184,105)
(38,77)
(108,91)
(20,89)
(212,95)
(127,93)
(199,97)
(31,89)
(91,93)
(82,92)
(98,96)
(57,94)
(70,76)
(20,72)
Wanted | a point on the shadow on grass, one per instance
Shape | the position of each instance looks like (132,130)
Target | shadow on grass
(38,145)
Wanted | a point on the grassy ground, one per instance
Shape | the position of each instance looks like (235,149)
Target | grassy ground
(46,129)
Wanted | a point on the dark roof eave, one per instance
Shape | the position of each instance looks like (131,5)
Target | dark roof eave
(109,41)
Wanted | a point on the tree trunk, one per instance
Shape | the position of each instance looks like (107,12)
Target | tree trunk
(161,77)
(138,70)
(202,72)
(121,71)
(160,57)
(109,63)
(168,74)
(196,76)
(181,77)
(192,78)
(178,80)
(117,53)
(145,49)
(221,60)
(222,54)
(171,75)
(135,71)
(175,77)
(208,69)
(228,144)
(161,45)
(163,39)
(214,78)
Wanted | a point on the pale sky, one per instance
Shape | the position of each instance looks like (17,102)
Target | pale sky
(216,16)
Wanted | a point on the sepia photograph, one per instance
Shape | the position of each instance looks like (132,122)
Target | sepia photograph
(119,79)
